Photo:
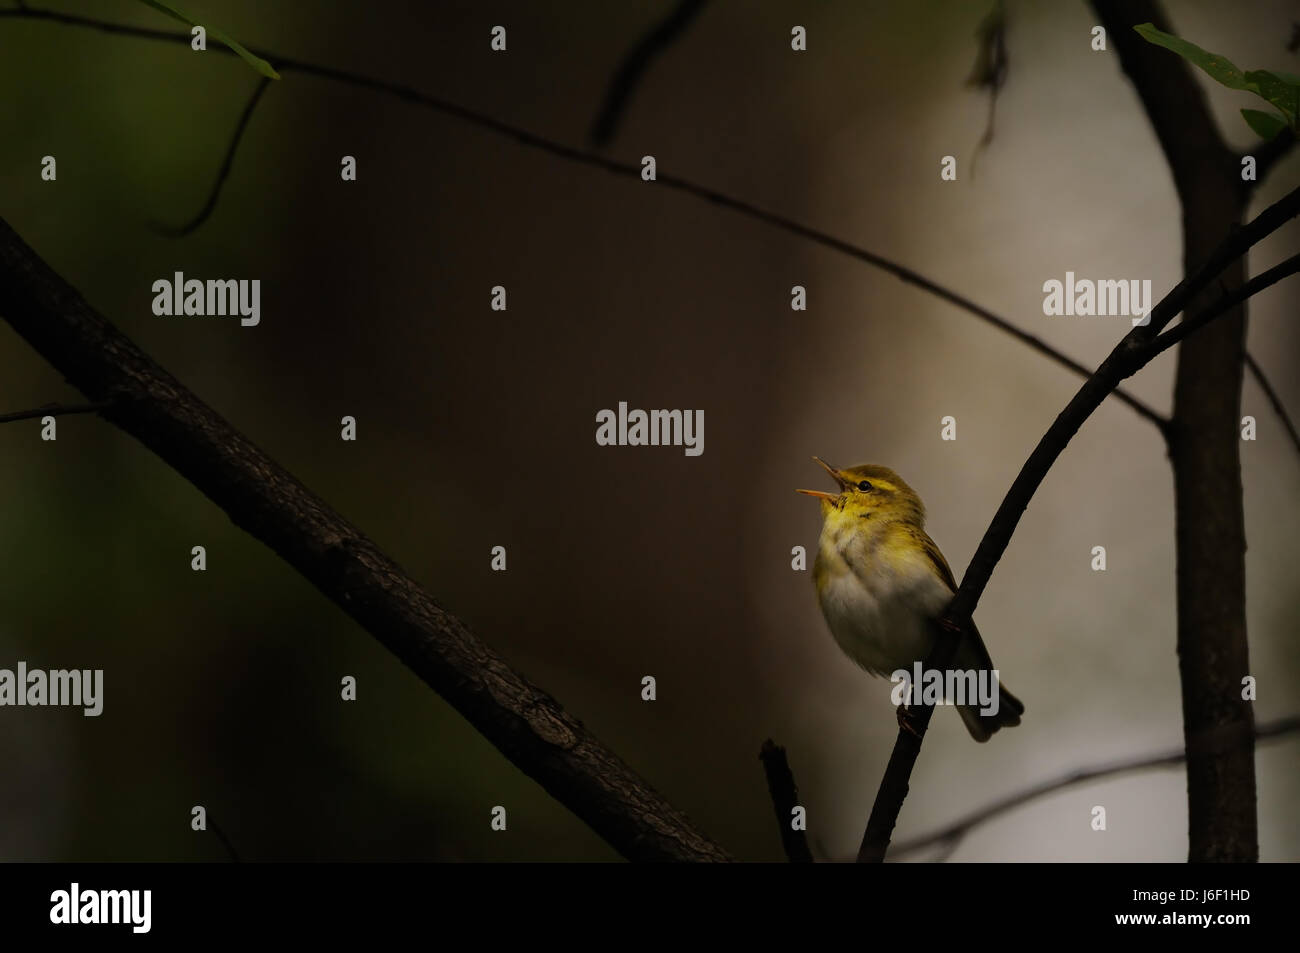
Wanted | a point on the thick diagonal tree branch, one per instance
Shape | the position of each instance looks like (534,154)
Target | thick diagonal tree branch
(1132,353)
(527,725)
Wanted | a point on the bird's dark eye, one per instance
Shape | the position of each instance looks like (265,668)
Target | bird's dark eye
(864,486)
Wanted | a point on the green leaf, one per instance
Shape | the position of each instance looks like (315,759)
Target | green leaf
(259,64)
(1280,89)
(1266,125)
(1219,67)
(1285,96)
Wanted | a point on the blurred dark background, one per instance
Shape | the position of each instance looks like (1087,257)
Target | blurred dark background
(476,428)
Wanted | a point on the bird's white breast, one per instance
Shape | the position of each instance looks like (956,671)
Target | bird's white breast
(879,615)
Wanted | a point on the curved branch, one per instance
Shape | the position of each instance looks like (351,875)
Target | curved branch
(180,231)
(1132,353)
(952,833)
(527,725)
(628,170)
(634,66)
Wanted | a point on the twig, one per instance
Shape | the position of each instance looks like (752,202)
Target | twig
(56,410)
(527,725)
(629,170)
(1130,355)
(179,231)
(785,797)
(1273,399)
(953,833)
(1268,155)
(634,66)
(1194,323)
(225,841)
(990,71)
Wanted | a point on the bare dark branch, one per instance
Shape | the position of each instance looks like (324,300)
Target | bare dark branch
(1274,399)
(179,231)
(225,841)
(785,798)
(635,65)
(990,70)
(1194,323)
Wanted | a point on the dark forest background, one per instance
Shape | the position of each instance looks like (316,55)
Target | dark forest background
(476,428)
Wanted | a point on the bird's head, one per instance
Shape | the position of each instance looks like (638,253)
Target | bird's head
(869,492)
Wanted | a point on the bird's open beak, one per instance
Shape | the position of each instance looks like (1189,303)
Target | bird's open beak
(835,474)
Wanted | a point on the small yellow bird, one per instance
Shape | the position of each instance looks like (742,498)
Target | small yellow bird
(882,583)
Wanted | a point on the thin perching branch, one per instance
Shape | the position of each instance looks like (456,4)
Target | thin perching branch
(527,725)
(1131,354)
